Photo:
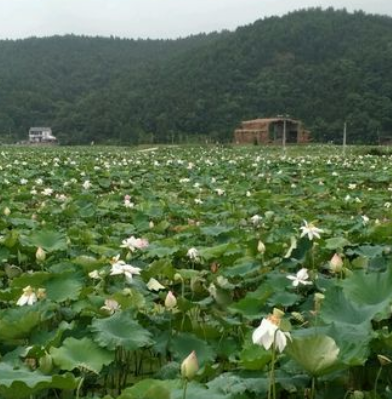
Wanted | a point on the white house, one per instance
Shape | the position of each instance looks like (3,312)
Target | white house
(41,135)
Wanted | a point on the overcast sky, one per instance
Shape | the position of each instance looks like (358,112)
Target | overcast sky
(151,18)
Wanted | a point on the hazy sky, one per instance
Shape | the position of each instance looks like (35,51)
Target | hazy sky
(151,18)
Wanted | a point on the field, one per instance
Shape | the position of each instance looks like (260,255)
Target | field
(145,274)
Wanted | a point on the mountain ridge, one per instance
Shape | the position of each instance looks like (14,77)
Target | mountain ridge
(324,67)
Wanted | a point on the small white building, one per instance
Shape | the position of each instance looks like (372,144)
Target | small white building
(41,135)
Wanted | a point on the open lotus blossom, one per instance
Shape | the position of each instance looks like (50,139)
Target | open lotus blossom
(133,243)
(301,277)
(268,332)
(127,202)
(86,184)
(95,275)
(111,306)
(120,267)
(256,219)
(193,254)
(47,192)
(29,296)
(310,230)
(154,285)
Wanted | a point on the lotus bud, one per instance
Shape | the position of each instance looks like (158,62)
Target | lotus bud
(6,211)
(40,255)
(336,264)
(318,299)
(190,366)
(151,224)
(261,247)
(46,363)
(170,301)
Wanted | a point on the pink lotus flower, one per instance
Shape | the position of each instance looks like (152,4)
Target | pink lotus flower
(133,243)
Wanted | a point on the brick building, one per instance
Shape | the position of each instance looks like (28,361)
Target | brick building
(271,131)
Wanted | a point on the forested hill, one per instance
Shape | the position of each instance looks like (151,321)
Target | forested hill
(322,66)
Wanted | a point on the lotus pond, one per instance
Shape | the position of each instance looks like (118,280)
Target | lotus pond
(222,273)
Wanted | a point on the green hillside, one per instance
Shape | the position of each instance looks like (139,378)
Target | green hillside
(322,66)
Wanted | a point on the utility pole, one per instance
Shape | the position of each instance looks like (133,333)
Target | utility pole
(344,138)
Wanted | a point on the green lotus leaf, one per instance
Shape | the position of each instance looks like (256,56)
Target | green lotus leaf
(337,308)
(10,375)
(371,290)
(336,243)
(65,286)
(215,231)
(120,330)
(81,354)
(347,338)
(184,343)
(149,389)
(196,391)
(49,240)
(242,267)
(217,251)
(369,251)
(17,324)
(249,307)
(160,267)
(162,249)
(255,357)
(19,383)
(235,386)
(317,354)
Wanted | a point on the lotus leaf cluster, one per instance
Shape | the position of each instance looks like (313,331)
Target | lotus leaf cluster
(117,265)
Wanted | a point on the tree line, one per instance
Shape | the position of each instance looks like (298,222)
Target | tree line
(325,67)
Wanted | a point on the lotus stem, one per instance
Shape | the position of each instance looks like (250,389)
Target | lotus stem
(184,388)
(376,381)
(79,388)
(272,385)
(313,392)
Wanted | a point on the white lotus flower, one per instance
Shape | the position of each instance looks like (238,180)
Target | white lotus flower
(193,254)
(87,184)
(300,278)
(154,285)
(47,192)
(111,306)
(268,333)
(256,219)
(120,267)
(133,243)
(219,191)
(310,230)
(28,297)
(95,275)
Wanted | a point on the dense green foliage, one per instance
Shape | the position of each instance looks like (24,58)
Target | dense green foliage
(322,66)
(117,264)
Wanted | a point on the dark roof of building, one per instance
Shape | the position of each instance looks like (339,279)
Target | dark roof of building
(39,129)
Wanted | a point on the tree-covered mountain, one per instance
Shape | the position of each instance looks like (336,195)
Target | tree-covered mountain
(321,66)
